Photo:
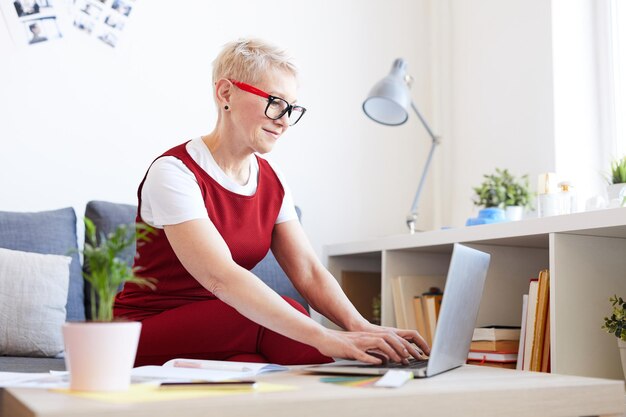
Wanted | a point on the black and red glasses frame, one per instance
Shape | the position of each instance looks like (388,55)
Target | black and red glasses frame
(276,107)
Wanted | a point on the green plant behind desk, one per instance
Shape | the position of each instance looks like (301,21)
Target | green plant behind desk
(618,171)
(501,189)
(616,323)
(107,271)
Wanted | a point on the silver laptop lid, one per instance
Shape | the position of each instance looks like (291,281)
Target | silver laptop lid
(459,309)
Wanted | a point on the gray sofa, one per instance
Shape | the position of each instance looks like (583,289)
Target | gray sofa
(54,232)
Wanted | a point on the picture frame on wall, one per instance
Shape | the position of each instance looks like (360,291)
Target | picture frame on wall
(33,22)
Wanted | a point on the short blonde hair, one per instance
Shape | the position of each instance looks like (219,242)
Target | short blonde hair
(248,60)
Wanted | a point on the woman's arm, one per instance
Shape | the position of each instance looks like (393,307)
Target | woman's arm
(204,253)
(297,258)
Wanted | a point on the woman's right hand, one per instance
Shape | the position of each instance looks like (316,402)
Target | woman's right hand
(356,344)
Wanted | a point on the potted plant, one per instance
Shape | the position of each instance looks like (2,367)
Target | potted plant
(617,182)
(616,324)
(517,195)
(100,354)
(498,191)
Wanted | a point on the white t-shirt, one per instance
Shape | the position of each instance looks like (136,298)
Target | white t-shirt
(171,194)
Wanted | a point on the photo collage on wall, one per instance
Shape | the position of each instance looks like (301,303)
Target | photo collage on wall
(32,22)
(36,22)
(103,19)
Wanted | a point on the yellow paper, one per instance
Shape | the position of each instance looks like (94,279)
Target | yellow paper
(141,393)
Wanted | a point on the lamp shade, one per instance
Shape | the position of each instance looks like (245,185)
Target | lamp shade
(390,98)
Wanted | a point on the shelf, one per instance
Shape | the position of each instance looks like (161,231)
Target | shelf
(586,255)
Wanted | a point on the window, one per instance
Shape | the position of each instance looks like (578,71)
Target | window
(615,17)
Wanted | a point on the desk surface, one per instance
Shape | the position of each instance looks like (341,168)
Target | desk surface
(468,391)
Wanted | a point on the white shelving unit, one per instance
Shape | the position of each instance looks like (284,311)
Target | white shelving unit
(586,255)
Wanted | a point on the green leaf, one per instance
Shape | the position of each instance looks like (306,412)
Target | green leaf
(502,189)
(106,270)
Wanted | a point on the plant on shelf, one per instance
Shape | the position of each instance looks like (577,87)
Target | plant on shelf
(616,323)
(616,190)
(618,171)
(501,189)
(498,191)
(107,271)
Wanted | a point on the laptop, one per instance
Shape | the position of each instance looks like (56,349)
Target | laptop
(455,324)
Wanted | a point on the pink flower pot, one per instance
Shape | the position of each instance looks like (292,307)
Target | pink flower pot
(100,356)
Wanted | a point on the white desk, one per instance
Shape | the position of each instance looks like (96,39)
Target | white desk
(467,391)
(586,255)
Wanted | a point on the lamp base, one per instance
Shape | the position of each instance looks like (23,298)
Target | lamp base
(410,222)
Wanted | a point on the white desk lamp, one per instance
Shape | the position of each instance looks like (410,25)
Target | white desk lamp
(388,104)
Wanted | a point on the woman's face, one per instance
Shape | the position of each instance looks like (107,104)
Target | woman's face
(251,125)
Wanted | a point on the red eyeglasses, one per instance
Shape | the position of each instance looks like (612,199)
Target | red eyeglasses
(276,106)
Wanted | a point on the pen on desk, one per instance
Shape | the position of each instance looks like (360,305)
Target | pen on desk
(210,384)
(212,366)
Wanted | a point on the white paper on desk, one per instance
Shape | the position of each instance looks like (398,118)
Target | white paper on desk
(209,370)
(171,373)
(33,380)
(230,366)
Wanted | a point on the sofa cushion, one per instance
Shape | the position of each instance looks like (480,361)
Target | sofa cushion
(33,293)
(106,216)
(22,364)
(47,232)
(273,275)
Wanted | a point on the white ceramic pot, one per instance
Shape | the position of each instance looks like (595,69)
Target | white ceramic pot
(615,194)
(514,213)
(622,353)
(100,356)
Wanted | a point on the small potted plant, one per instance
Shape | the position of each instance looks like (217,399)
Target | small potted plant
(617,182)
(100,354)
(497,192)
(517,195)
(615,324)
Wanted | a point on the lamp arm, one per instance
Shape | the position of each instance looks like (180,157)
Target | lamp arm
(412,217)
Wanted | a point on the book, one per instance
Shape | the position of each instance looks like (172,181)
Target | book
(205,370)
(420,323)
(545,360)
(404,288)
(531,316)
(540,320)
(509,365)
(479,355)
(495,345)
(396,293)
(520,349)
(431,303)
(494,332)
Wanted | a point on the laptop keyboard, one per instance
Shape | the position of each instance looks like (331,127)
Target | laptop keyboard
(413,364)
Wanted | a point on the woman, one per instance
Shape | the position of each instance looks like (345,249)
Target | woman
(218,208)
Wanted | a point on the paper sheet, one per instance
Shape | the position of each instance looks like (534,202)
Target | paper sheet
(140,393)
(33,380)
(171,373)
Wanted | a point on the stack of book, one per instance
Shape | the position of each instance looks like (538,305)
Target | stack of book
(426,307)
(534,348)
(495,346)
(416,301)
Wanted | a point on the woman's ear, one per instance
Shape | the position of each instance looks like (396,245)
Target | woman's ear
(223,90)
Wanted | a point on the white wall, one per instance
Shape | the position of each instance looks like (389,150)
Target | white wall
(82,121)
(582,147)
(521,88)
(497,107)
